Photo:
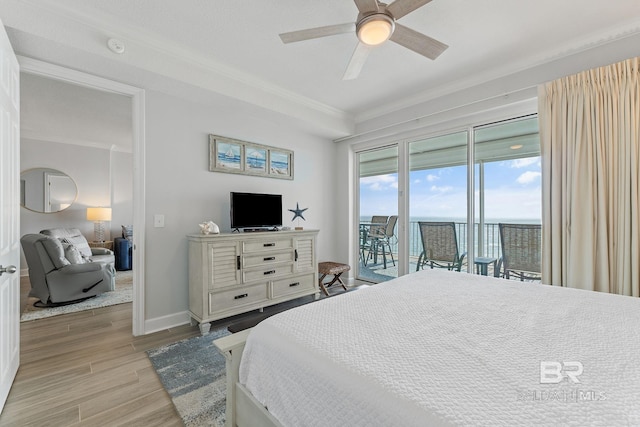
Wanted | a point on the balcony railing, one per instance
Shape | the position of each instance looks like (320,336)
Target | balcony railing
(490,240)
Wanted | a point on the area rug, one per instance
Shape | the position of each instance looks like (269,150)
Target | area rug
(193,373)
(122,294)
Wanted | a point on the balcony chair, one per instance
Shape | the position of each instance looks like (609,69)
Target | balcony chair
(521,246)
(381,238)
(439,246)
(376,226)
(55,280)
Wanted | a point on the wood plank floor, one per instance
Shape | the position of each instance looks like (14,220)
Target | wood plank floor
(87,369)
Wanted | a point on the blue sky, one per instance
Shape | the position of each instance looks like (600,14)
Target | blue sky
(512,191)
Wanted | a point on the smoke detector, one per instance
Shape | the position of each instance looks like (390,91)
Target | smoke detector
(116,46)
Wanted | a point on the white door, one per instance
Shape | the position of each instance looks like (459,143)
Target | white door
(9,216)
(59,192)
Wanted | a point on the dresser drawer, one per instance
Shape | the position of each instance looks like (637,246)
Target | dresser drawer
(266,259)
(245,295)
(293,285)
(267,273)
(274,244)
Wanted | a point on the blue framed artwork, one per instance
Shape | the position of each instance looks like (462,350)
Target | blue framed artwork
(234,156)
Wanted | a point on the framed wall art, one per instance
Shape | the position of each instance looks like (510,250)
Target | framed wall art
(234,156)
(280,163)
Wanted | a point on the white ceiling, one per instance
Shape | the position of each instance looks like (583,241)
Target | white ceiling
(231,47)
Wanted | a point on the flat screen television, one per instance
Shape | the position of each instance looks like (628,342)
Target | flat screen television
(256,211)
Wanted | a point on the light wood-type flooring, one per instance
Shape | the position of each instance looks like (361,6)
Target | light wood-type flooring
(87,369)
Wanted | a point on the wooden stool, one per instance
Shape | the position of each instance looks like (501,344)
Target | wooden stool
(334,268)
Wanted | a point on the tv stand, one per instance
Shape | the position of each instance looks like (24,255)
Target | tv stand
(235,273)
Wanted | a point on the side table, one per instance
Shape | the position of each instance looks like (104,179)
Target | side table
(107,244)
(482,264)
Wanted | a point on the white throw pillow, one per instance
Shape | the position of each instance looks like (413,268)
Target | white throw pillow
(72,254)
(127,232)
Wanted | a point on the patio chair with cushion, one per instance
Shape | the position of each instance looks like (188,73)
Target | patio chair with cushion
(521,246)
(439,246)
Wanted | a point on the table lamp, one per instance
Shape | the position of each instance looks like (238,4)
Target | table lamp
(99,216)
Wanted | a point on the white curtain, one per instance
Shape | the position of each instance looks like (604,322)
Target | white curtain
(589,130)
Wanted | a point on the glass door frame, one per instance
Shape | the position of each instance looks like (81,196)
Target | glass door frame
(402,141)
(403,248)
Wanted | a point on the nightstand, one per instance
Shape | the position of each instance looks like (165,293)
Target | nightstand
(108,244)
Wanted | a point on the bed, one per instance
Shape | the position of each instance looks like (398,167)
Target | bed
(441,348)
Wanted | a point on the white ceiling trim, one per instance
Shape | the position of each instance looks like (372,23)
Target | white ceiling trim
(450,120)
(189,66)
(41,137)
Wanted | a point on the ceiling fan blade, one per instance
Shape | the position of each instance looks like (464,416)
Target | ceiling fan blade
(400,8)
(357,61)
(314,33)
(365,6)
(417,42)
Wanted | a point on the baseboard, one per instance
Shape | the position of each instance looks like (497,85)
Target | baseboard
(166,322)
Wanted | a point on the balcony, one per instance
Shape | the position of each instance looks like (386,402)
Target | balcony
(487,245)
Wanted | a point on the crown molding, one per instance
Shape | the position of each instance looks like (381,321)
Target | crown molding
(26,134)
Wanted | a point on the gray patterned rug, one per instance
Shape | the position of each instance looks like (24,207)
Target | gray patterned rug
(193,373)
(122,294)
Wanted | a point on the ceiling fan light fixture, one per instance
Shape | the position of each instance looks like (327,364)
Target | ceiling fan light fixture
(375,29)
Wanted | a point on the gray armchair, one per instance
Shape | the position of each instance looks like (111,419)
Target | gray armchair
(55,280)
(75,237)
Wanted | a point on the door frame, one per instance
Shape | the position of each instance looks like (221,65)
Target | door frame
(137,95)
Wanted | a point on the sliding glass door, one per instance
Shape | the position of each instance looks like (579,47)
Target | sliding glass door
(438,201)
(378,214)
(508,196)
(446,222)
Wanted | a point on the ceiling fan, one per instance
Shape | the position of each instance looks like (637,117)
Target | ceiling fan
(376,23)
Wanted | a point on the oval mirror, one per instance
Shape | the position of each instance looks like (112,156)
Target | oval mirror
(46,190)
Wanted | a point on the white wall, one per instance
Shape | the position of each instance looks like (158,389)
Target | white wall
(180,186)
(121,191)
(91,169)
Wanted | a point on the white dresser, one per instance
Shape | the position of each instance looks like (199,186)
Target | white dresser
(238,272)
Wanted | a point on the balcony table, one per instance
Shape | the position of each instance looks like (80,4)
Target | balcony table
(482,264)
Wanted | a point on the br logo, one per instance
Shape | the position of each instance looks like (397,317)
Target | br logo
(556,372)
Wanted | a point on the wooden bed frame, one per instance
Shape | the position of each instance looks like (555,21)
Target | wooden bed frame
(243,410)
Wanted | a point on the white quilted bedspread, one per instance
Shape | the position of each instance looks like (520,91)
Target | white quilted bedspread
(446,348)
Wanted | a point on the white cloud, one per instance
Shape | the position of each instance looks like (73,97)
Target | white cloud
(523,163)
(379,182)
(431,177)
(528,177)
(441,189)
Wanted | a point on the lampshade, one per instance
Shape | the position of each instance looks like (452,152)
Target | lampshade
(375,29)
(98,214)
